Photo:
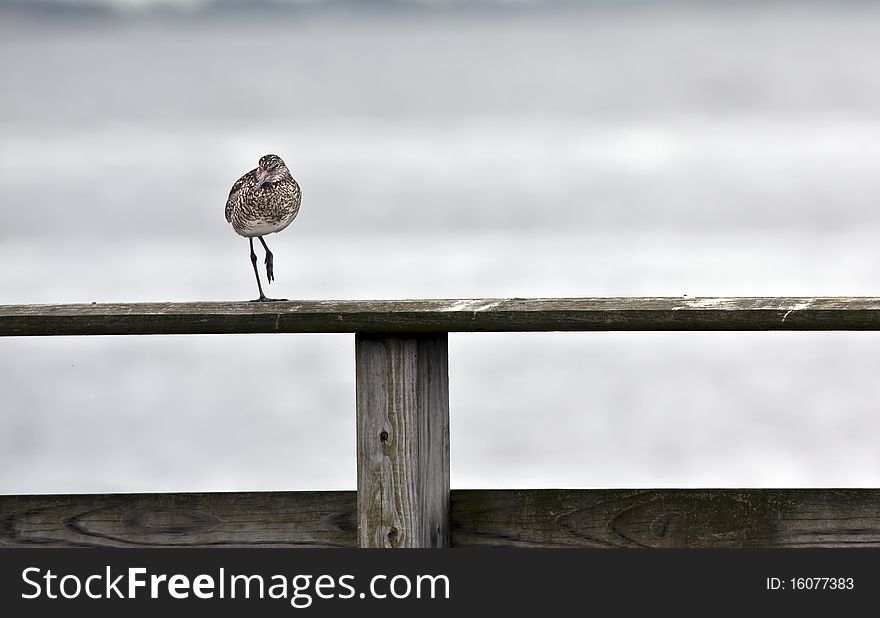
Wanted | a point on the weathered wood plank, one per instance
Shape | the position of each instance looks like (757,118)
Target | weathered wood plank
(411,316)
(301,519)
(402,440)
(668,518)
(511,518)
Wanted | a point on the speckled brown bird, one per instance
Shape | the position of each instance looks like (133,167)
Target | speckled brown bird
(263,201)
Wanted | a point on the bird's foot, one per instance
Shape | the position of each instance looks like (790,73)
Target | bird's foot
(270,268)
(266,299)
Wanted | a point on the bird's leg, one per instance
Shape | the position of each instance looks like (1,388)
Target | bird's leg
(270,261)
(262,297)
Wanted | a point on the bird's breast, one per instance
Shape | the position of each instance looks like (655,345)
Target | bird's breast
(268,210)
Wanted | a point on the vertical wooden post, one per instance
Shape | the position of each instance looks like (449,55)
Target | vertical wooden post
(402,440)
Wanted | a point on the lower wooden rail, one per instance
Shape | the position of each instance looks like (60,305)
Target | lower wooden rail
(692,518)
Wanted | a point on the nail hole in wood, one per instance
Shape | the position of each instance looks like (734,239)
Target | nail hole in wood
(383,436)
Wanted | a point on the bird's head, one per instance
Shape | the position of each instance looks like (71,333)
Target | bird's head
(270,169)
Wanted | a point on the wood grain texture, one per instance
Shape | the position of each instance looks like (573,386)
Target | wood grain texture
(668,518)
(403,441)
(273,519)
(498,518)
(412,316)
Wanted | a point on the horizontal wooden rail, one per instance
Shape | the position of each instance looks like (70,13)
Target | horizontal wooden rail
(514,518)
(418,316)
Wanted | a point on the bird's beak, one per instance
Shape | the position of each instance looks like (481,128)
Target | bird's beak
(262,177)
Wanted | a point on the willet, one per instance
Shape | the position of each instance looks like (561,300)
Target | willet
(263,201)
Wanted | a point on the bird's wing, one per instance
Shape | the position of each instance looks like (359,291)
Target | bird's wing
(235,195)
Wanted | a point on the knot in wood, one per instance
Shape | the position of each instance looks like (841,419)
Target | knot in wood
(392,534)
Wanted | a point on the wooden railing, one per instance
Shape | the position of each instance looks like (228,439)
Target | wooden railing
(403,497)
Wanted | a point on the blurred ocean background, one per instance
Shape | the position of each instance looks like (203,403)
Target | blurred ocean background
(449,150)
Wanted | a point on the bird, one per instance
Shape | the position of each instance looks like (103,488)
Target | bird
(263,201)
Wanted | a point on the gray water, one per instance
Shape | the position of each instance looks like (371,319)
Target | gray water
(661,149)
